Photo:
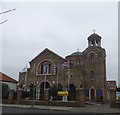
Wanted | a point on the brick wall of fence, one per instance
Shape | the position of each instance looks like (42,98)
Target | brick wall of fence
(29,102)
(78,103)
(68,104)
(50,103)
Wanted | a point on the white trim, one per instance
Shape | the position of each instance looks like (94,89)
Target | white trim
(46,81)
(42,62)
(92,52)
(40,89)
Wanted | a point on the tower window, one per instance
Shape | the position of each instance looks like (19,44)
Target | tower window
(93,43)
(96,41)
(78,61)
(92,75)
(81,85)
(92,58)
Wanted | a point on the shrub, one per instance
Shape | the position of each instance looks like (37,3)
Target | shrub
(5,90)
(99,98)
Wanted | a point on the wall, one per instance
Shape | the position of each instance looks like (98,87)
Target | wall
(12,86)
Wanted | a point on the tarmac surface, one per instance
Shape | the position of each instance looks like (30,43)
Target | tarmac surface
(89,108)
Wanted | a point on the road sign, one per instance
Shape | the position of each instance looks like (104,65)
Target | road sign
(62,93)
(117,95)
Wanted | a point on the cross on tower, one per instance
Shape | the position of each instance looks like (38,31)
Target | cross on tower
(94,30)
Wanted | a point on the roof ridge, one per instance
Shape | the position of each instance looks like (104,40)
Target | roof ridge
(46,49)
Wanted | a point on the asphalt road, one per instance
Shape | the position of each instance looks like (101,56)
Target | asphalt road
(89,109)
(29,110)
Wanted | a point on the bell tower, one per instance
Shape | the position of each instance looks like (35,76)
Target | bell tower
(94,40)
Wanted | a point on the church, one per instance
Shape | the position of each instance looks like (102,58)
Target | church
(85,70)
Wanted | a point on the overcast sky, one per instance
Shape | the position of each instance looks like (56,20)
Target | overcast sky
(60,27)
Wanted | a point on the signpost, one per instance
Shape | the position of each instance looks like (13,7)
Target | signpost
(118,96)
(118,100)
(62,93)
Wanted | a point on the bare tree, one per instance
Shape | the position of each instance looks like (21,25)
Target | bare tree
(4,13)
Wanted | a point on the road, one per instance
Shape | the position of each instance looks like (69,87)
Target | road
(28,110)
(80,110)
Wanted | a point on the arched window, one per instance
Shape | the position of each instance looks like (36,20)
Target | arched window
(81,85)
(93,43)
(45,67)
(92,58)
(92,75)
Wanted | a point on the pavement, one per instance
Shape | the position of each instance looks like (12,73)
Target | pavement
(89,108)
(37,107)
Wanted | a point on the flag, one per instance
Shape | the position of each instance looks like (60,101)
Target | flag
(66,64)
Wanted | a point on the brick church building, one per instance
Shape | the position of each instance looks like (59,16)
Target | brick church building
(85,70)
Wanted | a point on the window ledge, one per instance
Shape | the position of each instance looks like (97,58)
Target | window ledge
(45,74)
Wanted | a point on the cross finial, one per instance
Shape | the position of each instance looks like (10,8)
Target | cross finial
(94,30)
(78,50)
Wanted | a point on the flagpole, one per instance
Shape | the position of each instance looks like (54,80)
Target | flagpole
(68,75)
(57,81)
(67,64)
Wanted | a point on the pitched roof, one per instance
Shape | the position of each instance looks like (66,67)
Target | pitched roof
(4,77)
(77,53)
(46,49)
(94,36)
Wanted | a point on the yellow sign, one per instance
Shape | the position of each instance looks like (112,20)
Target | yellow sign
(62,93)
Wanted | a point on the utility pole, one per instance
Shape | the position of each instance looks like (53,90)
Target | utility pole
(4,13)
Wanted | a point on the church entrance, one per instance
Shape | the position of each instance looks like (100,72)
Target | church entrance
(92,95)
(43,86)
